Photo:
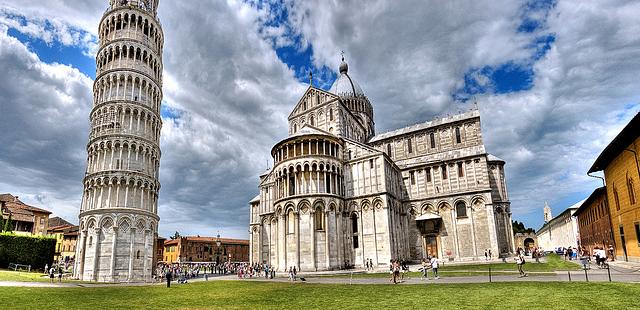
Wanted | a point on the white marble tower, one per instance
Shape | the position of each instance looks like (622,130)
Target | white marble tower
(118,215)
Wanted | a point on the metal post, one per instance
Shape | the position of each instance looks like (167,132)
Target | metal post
(609,272)
(489,273)
(569,273)
(586,276)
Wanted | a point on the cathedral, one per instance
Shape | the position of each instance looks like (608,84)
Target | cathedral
(339,195)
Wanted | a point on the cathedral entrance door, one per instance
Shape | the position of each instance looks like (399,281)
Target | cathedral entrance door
(431,245)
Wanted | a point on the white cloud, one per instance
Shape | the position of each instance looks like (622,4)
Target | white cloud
(231,93)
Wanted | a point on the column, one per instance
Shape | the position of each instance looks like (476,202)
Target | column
(133,240)
(113,252)
(312,223)
(326,239)
(296,216)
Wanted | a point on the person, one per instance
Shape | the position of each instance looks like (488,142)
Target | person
(584,258)
(424,269)
(46,268)
(290,274)
(520,264)
(612,255)
(168,276)
(60,274)
(486,254)
(396,271)
(295,273)
(52,272)
(391,270)
(434,267)
(490,254)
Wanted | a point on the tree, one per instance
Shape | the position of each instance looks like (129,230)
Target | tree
(8,227)
(1,221)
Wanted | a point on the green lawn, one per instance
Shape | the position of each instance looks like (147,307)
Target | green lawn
(257,295)
(553,263)
(22,276)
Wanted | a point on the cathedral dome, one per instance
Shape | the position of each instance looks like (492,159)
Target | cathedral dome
(345,86)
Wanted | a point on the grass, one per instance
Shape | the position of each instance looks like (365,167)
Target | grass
(272,295)
(553,263)
(22,276)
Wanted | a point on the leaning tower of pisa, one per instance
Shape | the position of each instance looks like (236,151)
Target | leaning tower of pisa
(118,215)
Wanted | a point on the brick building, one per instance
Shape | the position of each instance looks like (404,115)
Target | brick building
(205,249)
(594,223)
(25,219)
(619,161)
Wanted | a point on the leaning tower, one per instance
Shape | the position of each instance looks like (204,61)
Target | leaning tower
(118,215)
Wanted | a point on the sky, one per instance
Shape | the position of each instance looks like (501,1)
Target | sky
(555,81)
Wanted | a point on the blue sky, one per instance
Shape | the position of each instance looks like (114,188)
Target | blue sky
(552,90)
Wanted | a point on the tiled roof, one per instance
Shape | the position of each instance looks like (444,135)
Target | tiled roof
(214,239)
(426,125)
(58,221)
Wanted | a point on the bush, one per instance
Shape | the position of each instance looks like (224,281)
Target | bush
(27,250)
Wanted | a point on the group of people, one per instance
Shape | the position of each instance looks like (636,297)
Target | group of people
(487,254)
(397,269)
(599,254)
(53,271)
(430,263)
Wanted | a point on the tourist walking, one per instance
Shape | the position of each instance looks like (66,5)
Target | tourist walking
(425,269)
(520,263)
(396,271)
(60,274)
(434,267)
(52,272)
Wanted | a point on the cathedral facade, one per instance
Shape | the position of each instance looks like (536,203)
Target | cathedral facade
(118,215)
(339,195)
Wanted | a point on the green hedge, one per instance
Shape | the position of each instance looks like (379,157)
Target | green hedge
(28,250)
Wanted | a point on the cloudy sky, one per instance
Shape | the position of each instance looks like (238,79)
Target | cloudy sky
(555,81)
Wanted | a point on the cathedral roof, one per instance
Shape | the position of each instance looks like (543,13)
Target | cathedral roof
(491,157)
(255,199)
(421,126)
(345,86)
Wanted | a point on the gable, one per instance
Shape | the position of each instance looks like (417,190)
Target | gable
(312,98)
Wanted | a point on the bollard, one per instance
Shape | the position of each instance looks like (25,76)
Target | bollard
(609,272)
(489,273)
(351,278)
(586,277)
(569,273)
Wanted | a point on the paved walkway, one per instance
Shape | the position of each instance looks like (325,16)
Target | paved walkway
(619,272)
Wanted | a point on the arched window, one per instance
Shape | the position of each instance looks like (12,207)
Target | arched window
(460,170)
(354,230)
(615,197)
(389,149)
(138,254)
(409,146)
(461,209)
(330,114)
(319,219)
(458,139)
(90,240)
(432,138)
(311,122)
(444,171)
(295,128)
(630,189)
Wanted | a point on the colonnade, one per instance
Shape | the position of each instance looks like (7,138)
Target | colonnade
(130,55)
(125,119)
(120,192)
(130,25)
(123,155)
(308,178)
(307,147)
(129,86)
